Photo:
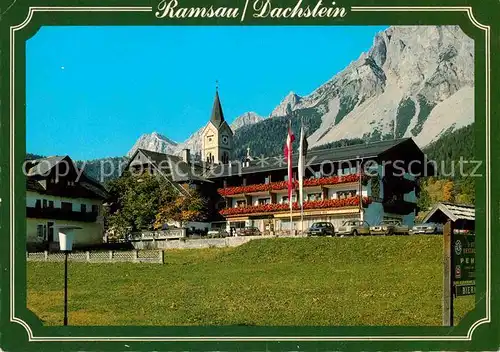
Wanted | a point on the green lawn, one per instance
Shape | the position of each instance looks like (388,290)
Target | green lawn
(288,281)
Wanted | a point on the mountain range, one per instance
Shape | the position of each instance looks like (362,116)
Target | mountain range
(415,81)
(159,143)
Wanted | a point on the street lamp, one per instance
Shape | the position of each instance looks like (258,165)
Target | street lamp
(66,234)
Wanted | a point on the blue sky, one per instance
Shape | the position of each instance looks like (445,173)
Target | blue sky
(92,91)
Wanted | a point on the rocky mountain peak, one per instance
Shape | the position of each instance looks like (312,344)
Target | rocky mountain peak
(391,90)
(287,105)
(155,142)
(247,118)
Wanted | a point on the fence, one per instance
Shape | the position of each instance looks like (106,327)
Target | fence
(135,256)
(187,243)
(158,235)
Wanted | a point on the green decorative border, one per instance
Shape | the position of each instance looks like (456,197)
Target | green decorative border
(22,19)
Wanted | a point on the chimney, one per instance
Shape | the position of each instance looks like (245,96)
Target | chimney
(186,155)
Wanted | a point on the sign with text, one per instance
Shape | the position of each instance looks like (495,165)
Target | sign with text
(465,289)
(464,263)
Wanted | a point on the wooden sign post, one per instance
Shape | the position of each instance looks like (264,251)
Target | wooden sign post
(447,274)
(459,267)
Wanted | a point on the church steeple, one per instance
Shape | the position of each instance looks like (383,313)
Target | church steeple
(217,135)
(217,116)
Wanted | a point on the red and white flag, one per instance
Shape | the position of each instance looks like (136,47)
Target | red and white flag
(288,155)
(301,164)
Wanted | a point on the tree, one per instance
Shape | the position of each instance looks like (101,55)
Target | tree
(183,209)
(465,191)
(135,202)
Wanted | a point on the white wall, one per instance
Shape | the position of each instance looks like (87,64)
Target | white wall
(90,232)
(31,198)
(283,224)
(198,225)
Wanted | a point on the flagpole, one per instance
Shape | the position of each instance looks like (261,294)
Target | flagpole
(290,171)
(360,189)
(301,177)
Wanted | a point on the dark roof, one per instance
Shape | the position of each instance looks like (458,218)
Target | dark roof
(94,187)
(182,172)
(40,167)
(34,185)
(217,117)
(39,170)
(376,150)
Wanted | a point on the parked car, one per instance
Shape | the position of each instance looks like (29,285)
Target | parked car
(194,232)
(428,228)
(217,233)
(249,231)
(354,228)
(321,229)
(389,227)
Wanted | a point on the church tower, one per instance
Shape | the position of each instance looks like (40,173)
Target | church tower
(217,143)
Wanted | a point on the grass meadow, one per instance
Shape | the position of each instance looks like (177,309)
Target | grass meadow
(394,280)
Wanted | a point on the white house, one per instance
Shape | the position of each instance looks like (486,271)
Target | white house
(58,193)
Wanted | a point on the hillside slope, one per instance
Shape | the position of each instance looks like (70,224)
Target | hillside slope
(377,281)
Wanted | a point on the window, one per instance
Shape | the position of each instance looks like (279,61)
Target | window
(317,174)
(95,208)
(38,203)
(39,231)
(263,201)
(285,199)
(44,202)
(267,180)
(240,203)
(286,177)
(346,194)
(51,204)
(83,208)
(314,196)
(66,206)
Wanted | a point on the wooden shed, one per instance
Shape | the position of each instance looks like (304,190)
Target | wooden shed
(462,215)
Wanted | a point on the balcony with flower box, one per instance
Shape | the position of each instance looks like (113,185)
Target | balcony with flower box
(351,202)
(274,187)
